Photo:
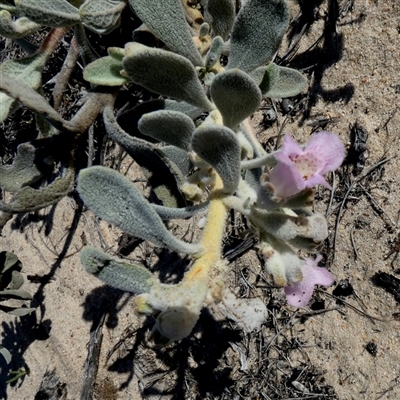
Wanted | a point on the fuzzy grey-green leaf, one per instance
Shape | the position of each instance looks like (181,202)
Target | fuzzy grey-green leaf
(163,176)
(6,354)
(165,73)
(101,16)
(236,96)
(214,53)
(172,127)
(18,28)
(105,71)
(166,18)
(221,16)
(115,199)
(257,33)
(23,170)
(27,70)
(54,13)
(117,273)
(218,146)
(288,83)
(28,199)
(265,76)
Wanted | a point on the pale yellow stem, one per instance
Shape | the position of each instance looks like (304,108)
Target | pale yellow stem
(212,237)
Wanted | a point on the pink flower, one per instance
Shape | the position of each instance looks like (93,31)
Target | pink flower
(299,294)
(298,168)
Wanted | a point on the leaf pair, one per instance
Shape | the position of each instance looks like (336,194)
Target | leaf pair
(100,16)
(11,281)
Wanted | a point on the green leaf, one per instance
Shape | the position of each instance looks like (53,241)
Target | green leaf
(179,157)
(219,147)
(172,127)
(181,106)
(265,77)
(101,16)
(15,89)
(167,213)
(5,5)
(117,273)
(8,260)
(6,354)
(15,294)
(115,199)
(167,20)
(236,96)
(16,280)
(221,16)
(54,13)
(17,311)
(28,199)
(257,33)
(214,53)
(105,71)
(22,172)
(27,70)
(288,83)
(165,73)
(16,28)
(163,176)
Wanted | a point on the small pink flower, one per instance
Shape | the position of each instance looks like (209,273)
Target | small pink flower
(298,168)
(299,294)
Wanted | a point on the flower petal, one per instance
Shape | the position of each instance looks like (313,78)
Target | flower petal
(317,179)
(300,293)
(328,149)
(290,147)
(286,179)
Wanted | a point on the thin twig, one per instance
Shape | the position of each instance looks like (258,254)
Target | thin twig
(353,243)
(351,187)
(357,310)
(376,204)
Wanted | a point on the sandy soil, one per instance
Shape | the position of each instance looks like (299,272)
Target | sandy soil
(346,348)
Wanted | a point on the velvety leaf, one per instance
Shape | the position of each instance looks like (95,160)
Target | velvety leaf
(6,354)
(163,176)
(257,33)
(15,294)
(172,127)
(165,73)
(27,70)
(221,15)
(54,13)
(16,28)
(167,213)
(19,312)
(265,76)
(5,5)
(218,146)
(115,199)
(288,83)
(117,273)
(105,71)
(22,172)
(28,199)
(179,157)
(101,16)
(15,89)
(191,111)
(166,18)
(8,260)
(236,96)
(214,53)
(16,280)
